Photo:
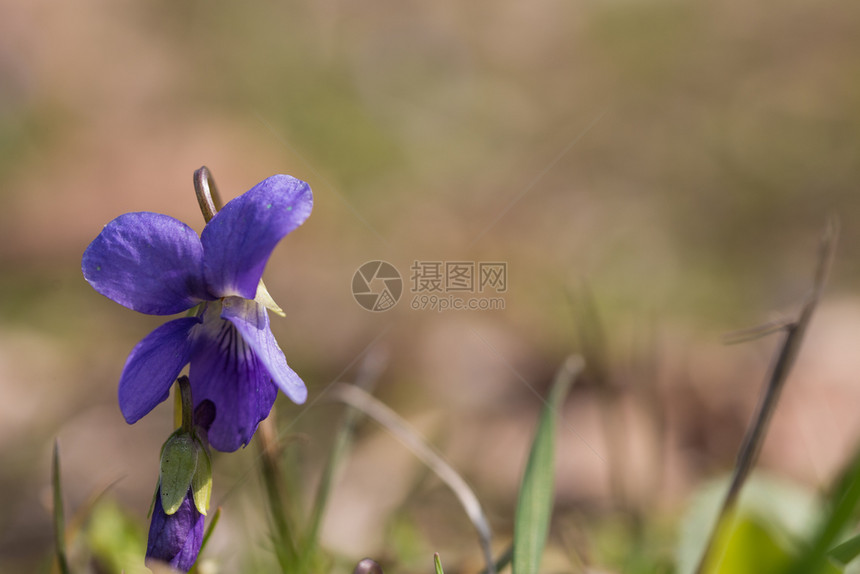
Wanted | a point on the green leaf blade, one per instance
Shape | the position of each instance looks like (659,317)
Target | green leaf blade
(437,563)
(846,552)
(535,501)
(58,517)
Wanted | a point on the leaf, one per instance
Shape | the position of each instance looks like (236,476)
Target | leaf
(847,551)
(750,547)
(791,512)
(534,505)
(747,543)
(845,501)
(116,539)
(747,548)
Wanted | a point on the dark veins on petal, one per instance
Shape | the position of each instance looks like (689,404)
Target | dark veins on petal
(225,371)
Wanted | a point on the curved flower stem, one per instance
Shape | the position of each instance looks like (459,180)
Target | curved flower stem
(207,193)
(186,403)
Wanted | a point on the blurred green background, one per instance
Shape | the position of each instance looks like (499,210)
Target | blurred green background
(678,159)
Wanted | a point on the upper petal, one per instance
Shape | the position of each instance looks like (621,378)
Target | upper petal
(240,238)
(225,371)
(148,262)
(152,367)
(252,321)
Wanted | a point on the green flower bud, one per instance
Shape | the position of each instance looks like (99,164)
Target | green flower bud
(178,466)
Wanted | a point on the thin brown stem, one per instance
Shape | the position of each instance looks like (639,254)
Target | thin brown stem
(785,358)
(207,193)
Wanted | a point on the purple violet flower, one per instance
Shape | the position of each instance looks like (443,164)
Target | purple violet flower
(175,538)
(157,265)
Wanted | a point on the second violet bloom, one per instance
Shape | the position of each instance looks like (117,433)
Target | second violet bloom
(157,265)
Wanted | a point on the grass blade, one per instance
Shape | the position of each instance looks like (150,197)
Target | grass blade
(206,536)
(846,501)
(437,563)
(847,551)
(503,560)
(369,371)
(757,430)
(273,481)
(535,502)
(59,519)
(382,414)
(594,348)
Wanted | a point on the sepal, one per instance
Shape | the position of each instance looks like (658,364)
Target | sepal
(201,483)
(264,298)
(178,466)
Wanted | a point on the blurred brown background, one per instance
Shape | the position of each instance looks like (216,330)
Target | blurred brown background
(677,158)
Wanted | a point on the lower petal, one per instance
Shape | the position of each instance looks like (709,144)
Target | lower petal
(252,320)
(226,371)
(152,367)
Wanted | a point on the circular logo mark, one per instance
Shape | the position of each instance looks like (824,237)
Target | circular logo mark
(377,286)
